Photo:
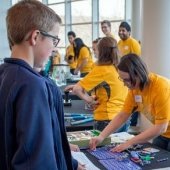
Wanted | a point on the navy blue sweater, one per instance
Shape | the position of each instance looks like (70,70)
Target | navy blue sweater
(32,136)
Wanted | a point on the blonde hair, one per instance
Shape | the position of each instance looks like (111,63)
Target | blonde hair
(26,16)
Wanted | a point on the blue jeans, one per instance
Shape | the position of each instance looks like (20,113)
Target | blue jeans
(162,142)
(100,125)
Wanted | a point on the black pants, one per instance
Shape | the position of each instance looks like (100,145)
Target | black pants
(134,118)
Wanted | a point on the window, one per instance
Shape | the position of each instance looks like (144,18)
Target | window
(111,10)
(81,11)
(85,35)
(55,1)
(60,10)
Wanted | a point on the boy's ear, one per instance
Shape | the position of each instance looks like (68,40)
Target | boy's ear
(34,37)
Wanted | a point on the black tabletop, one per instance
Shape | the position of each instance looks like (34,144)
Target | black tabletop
(154,163)
(78,107)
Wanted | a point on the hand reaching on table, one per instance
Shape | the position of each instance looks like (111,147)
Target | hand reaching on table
(121,147)
(69,88)
(95,141)
(81,167)
(74,148)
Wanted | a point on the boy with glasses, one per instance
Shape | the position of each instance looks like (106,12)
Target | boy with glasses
(31,135)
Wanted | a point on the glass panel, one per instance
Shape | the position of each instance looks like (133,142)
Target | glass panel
(55,1)
(15,1)
(114,28)
(111,9)
(60,10)
(62,37)
(62,52)
(81,11)
(86,34)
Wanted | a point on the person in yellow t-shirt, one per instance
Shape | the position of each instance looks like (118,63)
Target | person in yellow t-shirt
(106,28)
(56,57)
(69,57)
(83,57)
(148,93)
(127,44)
(103,82)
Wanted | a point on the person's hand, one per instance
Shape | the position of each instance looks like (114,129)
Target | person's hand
(69,88)
(121,147)
(76,72)
(74,148)
(94,102)
(95,141)
(81,167)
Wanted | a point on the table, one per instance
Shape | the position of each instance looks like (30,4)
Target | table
(78,107)
(154,163)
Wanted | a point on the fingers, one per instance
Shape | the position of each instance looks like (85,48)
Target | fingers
(81,167)
(69,88)
(77,149)
(119,148)
(92,144)
(74,148)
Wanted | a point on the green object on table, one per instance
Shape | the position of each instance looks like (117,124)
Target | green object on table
(96,132)
(82,138)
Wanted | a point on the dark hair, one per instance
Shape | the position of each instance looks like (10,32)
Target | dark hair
(135,67)
(79,44)
(106,22)
(96,40)
(108,51)
(125,25)
(71,33)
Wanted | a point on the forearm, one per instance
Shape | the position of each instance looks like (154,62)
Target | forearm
(114,124)
(148,134)
(80,92)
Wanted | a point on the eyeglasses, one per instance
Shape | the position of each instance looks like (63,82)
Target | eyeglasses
(125,80)
(55,39)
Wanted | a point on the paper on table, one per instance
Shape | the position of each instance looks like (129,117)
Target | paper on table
(82,159)
(120,137)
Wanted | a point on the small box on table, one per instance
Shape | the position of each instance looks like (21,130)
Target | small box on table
(82,138)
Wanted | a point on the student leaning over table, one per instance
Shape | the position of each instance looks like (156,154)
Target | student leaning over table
(103,81)
(148,93)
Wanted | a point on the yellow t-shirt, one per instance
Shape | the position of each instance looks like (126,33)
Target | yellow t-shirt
(85,54)
(109,90)
(153,101)
(70,51)
(111,35)
(129,46)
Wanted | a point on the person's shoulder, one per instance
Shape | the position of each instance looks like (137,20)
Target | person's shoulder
(159,81)
(133,40)
(53,86)
(119,42)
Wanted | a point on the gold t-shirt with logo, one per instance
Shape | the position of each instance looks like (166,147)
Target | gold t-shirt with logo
(110,91)
(153,101)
